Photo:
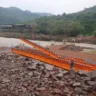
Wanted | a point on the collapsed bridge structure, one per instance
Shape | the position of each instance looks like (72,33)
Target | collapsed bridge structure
(49,57)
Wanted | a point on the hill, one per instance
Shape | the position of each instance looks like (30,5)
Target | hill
(14,15)
(83,22)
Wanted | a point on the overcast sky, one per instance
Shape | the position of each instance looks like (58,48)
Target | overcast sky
(50,6)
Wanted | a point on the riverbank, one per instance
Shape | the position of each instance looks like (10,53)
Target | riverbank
(8,42)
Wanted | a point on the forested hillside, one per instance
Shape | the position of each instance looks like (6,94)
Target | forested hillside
(83,22)
(14,15)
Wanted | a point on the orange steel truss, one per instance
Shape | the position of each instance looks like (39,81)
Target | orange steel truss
(40,48)
(47,56)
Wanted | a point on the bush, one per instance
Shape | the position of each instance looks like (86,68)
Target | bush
(94,33)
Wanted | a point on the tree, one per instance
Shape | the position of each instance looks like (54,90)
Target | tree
(94,33)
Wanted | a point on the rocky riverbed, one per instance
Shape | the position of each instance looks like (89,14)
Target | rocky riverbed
(22,76)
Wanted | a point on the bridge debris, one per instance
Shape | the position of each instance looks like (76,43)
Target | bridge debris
(16,79)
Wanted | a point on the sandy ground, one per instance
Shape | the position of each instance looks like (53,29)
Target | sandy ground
(8,42)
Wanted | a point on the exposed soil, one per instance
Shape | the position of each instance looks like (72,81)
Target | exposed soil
(5,50)
(91,58)
(73,48)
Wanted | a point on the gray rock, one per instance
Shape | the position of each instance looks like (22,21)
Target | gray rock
(83,93)
(66,83)
(14,70)
(28,62)
(87,79)
(35,63)
(54,78)
(77,89)
(65,72)
(93,74)
(83,73)
(41,67)
(85,87)
(6,80)
(77,84)
(57,91)
(41,89)
(36,93)
(10,58)
(94,88)
(27,59)
(24,89)
(30,73)
(42,79)
(66,91)
(49,67)
(59,75)
(32,67)
(61,83)
(71,82)
(91,83)
(66,77)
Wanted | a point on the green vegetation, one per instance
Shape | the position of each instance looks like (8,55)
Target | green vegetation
(83,22)
(71,25)
(94,33)
(14,15)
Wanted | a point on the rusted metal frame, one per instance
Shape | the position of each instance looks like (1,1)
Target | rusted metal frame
(69,58)
(77,63)
(42,54)
(47,56)
(52,61)
(44,59)
(37,51)
(40,48)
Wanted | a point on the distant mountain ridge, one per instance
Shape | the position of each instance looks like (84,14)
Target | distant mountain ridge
(14,15)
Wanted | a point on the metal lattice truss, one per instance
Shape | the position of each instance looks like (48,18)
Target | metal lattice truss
(49,57)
